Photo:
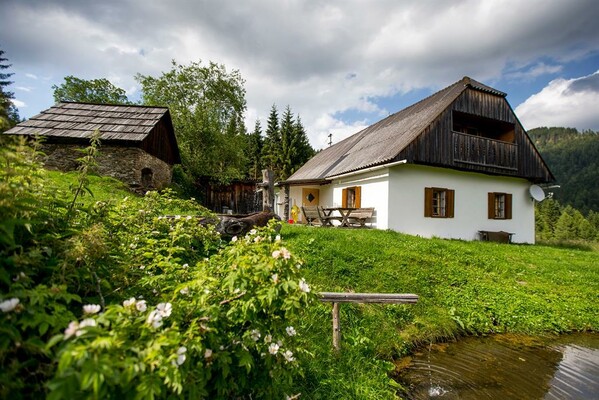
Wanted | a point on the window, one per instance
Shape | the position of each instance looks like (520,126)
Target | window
(351,197)
(438,202)
(146,177)
(500,206)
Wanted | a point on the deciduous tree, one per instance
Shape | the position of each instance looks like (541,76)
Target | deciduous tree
(207,104)
(99,91)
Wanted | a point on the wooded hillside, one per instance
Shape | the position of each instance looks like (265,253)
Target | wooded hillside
(573,157)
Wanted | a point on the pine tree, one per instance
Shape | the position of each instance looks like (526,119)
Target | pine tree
(288,144)
(255,146)
(566,228)
(9,115)
(272,143)
(304,150)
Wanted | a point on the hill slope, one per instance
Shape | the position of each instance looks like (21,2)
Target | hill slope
(573,157)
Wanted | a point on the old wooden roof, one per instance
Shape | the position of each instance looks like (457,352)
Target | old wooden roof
(382,142)
(125,124)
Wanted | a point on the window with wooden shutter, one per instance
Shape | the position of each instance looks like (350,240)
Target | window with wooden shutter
(439,202)
(500,206)
(351,197)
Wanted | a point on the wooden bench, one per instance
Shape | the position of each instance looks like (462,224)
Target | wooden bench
(359,216)
(311,214)
(499,237)
(326,219)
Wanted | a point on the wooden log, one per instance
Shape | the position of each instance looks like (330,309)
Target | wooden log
(386,298)
(229,226)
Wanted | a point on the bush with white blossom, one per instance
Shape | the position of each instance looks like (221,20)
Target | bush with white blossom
(229,334)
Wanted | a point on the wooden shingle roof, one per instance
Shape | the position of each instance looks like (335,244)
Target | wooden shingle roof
(142,126)
(79,120)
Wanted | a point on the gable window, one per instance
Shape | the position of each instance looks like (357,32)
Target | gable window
(439,202)
(500,206)
(351,197)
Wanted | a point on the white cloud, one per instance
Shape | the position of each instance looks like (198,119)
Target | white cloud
(563,102)
(324,59)
(18,103)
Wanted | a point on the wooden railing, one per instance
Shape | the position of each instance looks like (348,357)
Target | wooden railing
(476,150)
(384,298)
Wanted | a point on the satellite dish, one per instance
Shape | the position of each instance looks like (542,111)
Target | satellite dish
(537,193)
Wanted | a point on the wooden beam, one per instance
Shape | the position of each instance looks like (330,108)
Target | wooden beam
(386,298)
(336,328)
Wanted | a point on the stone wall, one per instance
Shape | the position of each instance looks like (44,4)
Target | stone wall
(131,165)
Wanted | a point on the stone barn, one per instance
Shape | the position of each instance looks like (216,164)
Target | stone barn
(137,143)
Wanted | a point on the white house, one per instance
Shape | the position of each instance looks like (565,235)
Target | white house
(452,165)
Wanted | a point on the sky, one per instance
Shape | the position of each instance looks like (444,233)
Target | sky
(340,65)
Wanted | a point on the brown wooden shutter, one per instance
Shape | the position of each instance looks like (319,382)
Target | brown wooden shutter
(344,198)
(508,206)
(450,200)
(358,200)
(428,202)
(491,212)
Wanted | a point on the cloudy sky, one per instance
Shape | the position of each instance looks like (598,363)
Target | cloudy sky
(340,64)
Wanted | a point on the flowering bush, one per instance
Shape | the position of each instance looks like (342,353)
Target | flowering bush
(225,331)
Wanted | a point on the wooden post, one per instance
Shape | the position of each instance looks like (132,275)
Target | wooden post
(268,190)
(383,298)
(336,330)
(286,202)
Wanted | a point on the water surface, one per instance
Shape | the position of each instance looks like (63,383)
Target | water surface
(505,367)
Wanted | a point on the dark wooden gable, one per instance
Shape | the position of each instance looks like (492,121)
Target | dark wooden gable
(161,141)
(479,132)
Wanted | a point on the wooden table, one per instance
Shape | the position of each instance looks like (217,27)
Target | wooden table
(343,211)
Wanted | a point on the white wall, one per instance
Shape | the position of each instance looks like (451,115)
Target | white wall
(374,193)
(406,199)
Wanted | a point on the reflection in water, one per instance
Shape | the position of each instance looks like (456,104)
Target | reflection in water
(506,367)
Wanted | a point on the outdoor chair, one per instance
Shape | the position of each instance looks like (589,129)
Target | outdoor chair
(359,216)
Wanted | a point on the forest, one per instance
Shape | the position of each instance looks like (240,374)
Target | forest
(572,212)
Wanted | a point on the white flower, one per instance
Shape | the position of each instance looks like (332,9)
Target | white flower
(304,286)
(278,238)
(87,322)
(291,331)
(154,319)
(177,217)
(255,335)
(253,232)
(189,217)
(267,339)
(234,239)
(164,309)
(257,239)
(185,290)
(9,305)
(286,254)
(129,303)
(141,306)
(273,348)
(185,265)
(180,356)
(79,328)
(208,353)
(91,308)
(71,330)
(276,254)
(288,356)
(275,278)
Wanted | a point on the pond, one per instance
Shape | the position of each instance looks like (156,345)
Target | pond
(504,367)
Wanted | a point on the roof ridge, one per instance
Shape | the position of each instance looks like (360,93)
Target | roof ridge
(107,104)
